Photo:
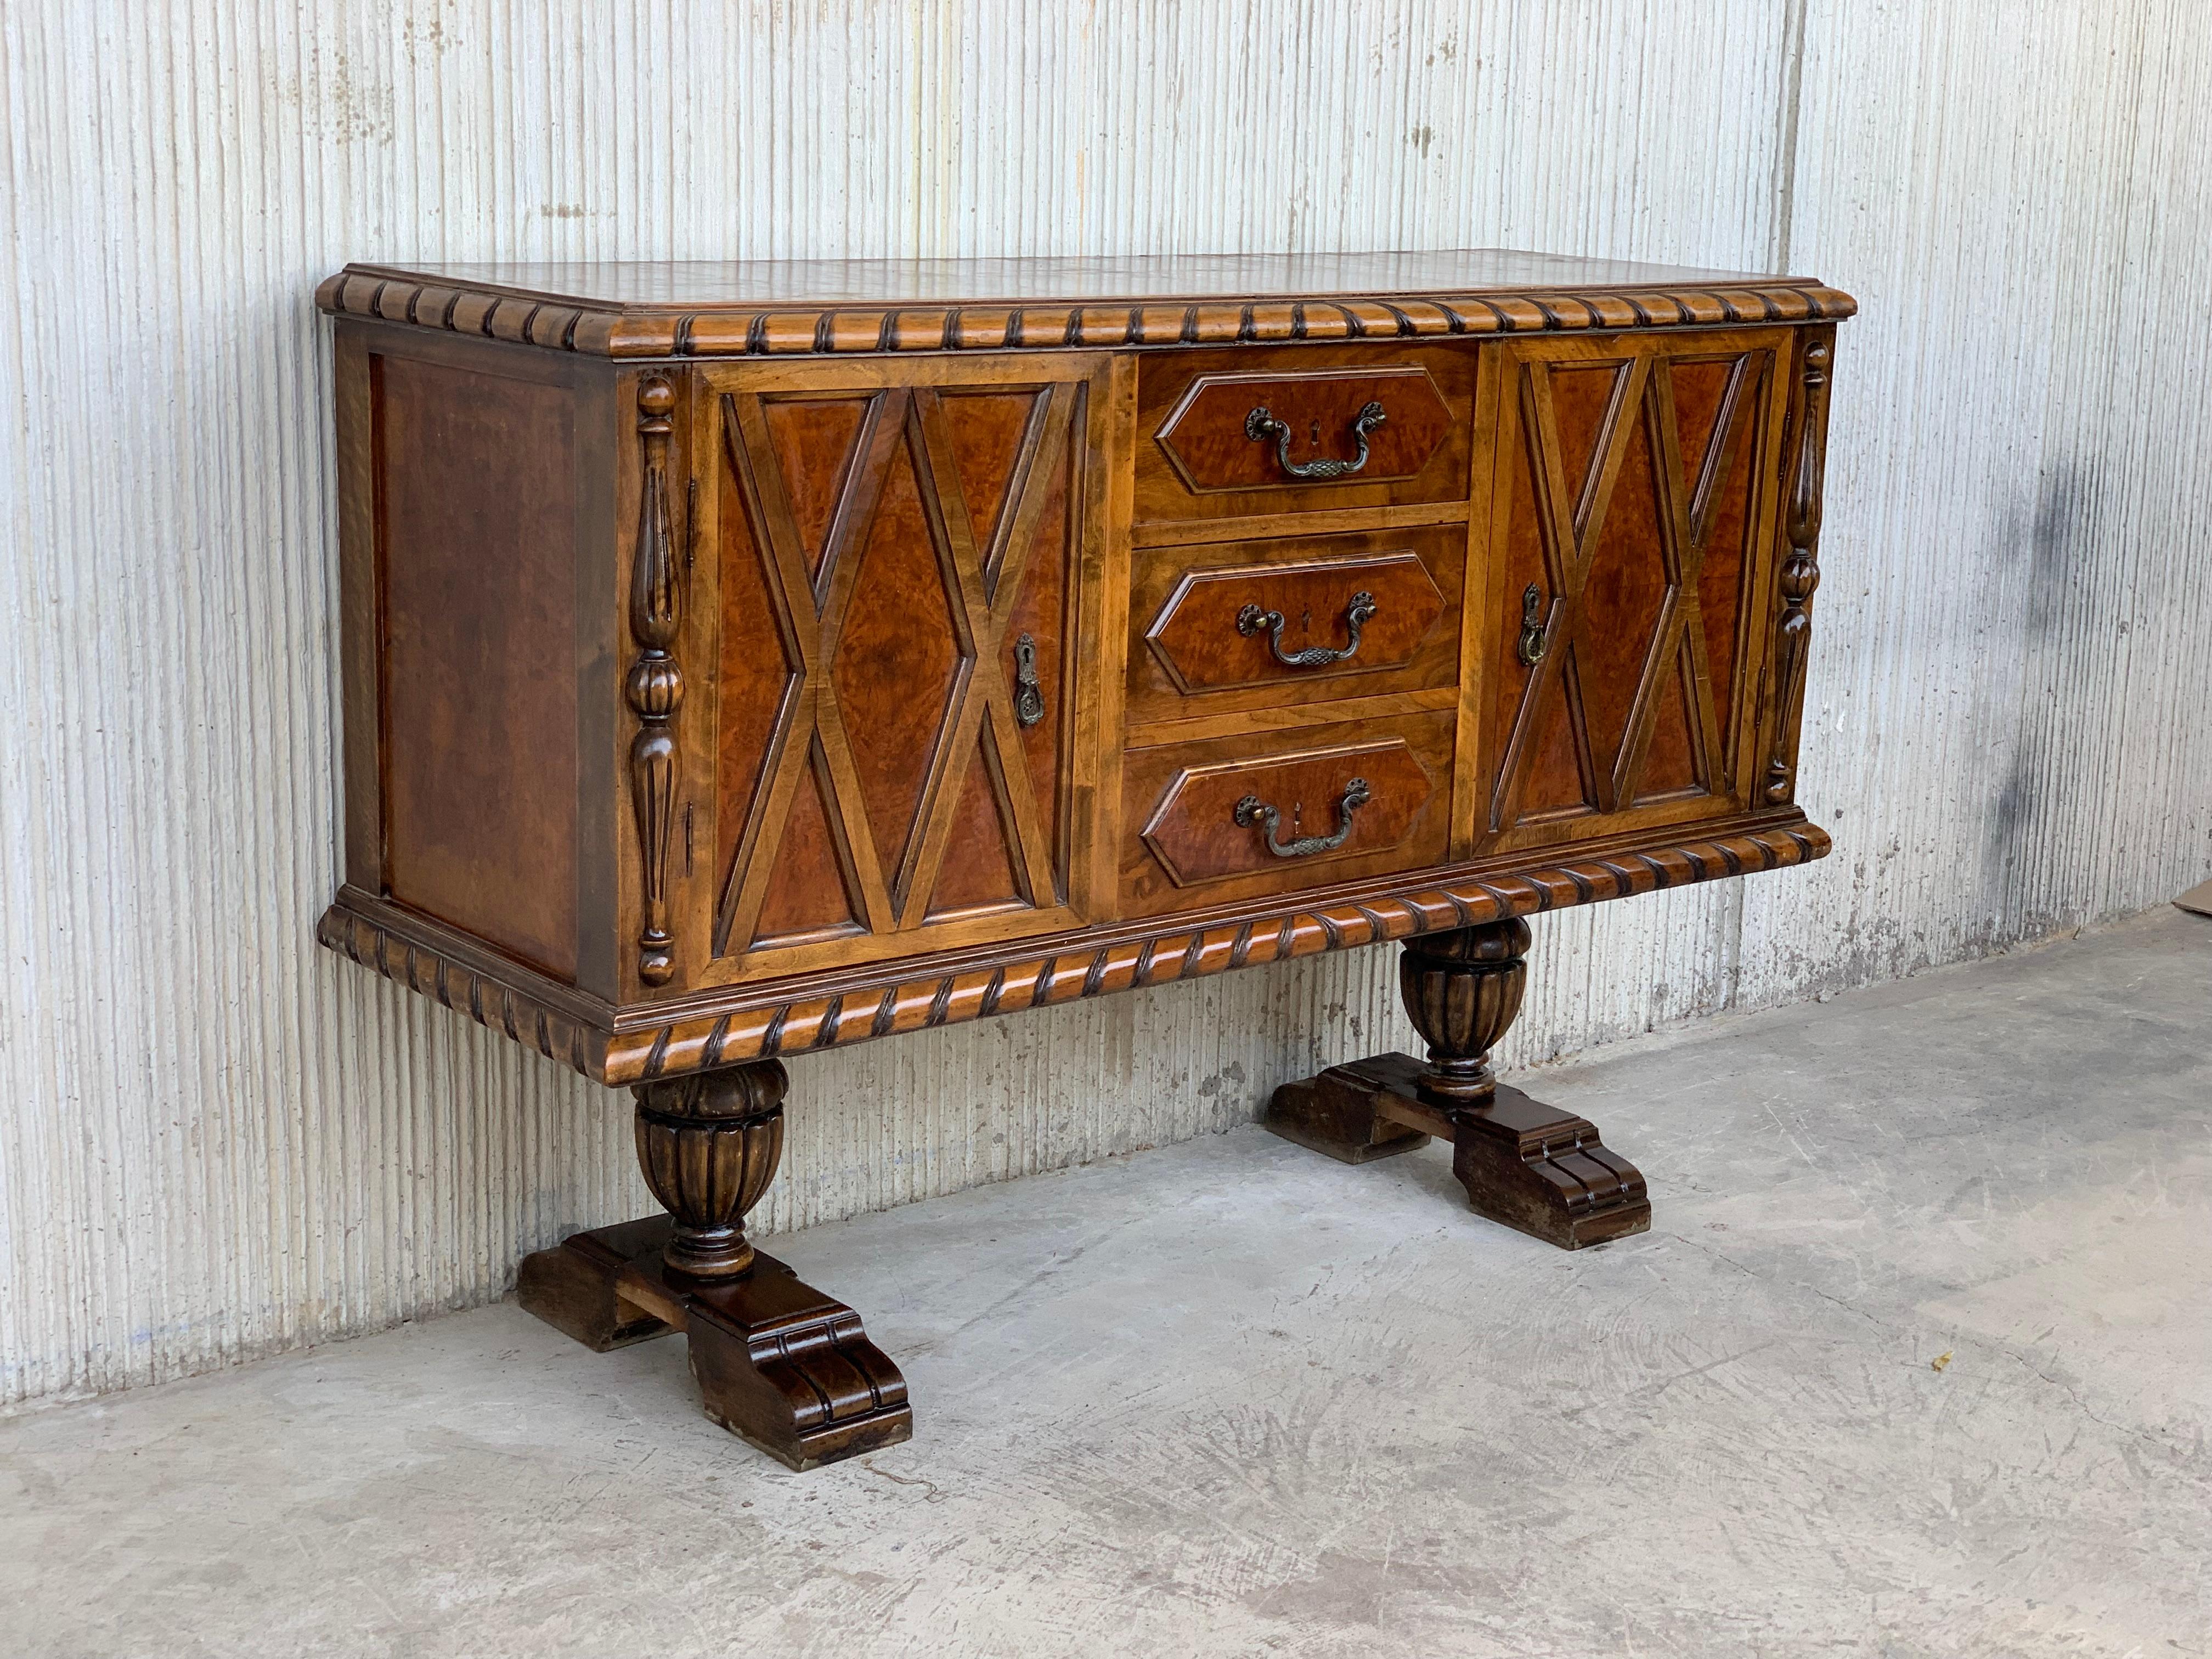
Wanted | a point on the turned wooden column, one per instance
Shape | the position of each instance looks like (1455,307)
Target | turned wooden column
(1462,991)
(709,1144)
(782,1365)
(1533,1167)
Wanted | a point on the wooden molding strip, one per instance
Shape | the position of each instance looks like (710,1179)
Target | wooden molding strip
(700,1041)
(747,331)
(537,1024)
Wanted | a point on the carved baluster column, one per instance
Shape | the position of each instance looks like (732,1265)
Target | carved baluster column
(709,1144)
(1801,572)
(1463,990)
(656,682)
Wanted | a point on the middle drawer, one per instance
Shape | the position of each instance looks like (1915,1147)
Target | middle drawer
(1268,624)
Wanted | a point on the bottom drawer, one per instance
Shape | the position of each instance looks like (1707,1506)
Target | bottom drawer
(1276,811)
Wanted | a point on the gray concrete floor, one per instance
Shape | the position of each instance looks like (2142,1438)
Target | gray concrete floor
(1230,1398)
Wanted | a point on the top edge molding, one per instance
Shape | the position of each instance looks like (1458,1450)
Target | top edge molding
(565,322)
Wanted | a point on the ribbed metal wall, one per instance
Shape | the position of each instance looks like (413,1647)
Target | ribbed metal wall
(218,1141)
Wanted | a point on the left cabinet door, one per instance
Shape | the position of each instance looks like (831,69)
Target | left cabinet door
(898,679)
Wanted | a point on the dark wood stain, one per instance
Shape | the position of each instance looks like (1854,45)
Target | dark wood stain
(898,645)
(478,671)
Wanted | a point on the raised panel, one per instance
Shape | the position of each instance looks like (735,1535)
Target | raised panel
(1199,456)
(896,790)
(1186,845)
(1246,816)
(1625,530)
(1311,429)
(1295,625)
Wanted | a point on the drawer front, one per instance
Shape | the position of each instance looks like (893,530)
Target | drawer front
(1279,811)
(1260,430)
(1266,624)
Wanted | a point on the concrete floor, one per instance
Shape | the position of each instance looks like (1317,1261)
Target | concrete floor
(1229,1398)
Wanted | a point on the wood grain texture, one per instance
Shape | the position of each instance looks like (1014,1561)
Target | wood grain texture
(477,614)
(1210,440)
(1195,460)
(1629,524)
(888,553)
(1355,803)
(1200,653)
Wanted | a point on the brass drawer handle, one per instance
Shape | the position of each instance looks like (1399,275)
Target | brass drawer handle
(1029,696)
(1262,425)
(1357,615)
(1252,809)
(1531,650)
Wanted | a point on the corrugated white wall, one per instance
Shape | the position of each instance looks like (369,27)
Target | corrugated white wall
(217,1140)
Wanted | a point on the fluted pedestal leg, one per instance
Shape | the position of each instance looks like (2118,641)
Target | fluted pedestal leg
(778,1362)
(1534,1167)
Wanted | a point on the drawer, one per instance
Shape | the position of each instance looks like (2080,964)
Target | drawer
(1234,625)
(1256,430)
(1276,812)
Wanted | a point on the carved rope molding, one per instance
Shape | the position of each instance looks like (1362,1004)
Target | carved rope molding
(1084,969)
(819,330)
(1801,573)
(655,689)
(556,1035)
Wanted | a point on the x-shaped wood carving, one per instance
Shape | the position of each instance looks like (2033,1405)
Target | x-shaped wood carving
(1572,517)
(984,579)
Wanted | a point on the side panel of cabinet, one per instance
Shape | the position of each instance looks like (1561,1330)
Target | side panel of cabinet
(468,500)
(1630,569)
(897,590)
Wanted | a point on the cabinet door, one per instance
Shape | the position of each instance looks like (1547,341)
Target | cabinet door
(1631,563)
(896,559)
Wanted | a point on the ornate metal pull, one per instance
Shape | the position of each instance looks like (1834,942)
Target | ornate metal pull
(1262,425)
(1252,809)
(1357,615)
(1531,650)
(1029,696)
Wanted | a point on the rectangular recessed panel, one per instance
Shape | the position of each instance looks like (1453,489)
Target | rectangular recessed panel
(476,549)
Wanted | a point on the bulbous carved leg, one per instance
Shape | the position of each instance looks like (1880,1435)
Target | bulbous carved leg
(708,1145)
(778,1362)
(1533,1167)
(1462,992)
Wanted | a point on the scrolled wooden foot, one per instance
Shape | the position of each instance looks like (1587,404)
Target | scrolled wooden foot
(1534,1167)
(779,1363)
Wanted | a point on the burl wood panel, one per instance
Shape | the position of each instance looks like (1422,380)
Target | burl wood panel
(478,665)
(1209,437)
(1425,390)
(1203,651)
(1632,528)
(895,567)
(1328,804)
(1184,848)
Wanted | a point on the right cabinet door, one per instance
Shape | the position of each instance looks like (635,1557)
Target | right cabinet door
(1630,574)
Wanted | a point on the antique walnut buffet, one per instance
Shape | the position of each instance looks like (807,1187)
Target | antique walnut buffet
(742,660)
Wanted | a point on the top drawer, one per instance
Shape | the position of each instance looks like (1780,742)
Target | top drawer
(1252,431)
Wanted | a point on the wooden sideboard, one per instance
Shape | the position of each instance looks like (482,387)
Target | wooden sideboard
(742,660)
